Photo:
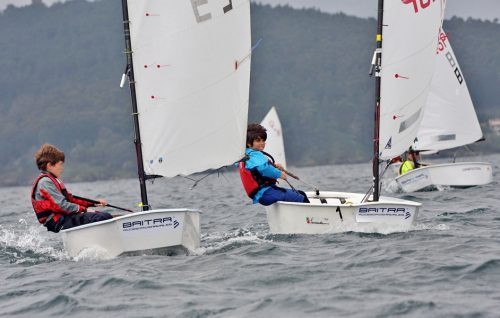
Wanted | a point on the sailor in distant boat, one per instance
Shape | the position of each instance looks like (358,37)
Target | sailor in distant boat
(411,162)
(54,206)
(259,173)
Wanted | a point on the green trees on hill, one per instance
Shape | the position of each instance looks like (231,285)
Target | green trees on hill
(60,69)
(59,83)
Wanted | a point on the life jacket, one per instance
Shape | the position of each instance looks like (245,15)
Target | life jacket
(252,180)
(44,208)
(406,166)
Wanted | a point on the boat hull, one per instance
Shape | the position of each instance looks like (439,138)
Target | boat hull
(341,212)
(136,232)
(459,174)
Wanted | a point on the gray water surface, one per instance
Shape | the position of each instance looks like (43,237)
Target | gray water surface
(447,266)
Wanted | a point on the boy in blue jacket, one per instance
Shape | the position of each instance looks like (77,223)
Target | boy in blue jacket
(259,174)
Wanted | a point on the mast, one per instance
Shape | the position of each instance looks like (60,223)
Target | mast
(376,132)
(137,137)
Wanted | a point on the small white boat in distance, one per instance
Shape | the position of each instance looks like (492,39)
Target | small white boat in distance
(450,121)
(455,175)
(274,143)
(188,68)
(403,64)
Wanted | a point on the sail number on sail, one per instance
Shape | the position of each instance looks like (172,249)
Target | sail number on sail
(423,3)
(201,18)
(451,59)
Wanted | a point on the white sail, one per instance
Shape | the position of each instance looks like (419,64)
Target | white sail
(192,70)
(449,119)
(274,143)
(409,43)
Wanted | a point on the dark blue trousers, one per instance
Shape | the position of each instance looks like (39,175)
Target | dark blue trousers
(275,194)
(69,221)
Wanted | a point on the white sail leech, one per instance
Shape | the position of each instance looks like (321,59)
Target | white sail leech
(406,70)
(186,68)
(450,120)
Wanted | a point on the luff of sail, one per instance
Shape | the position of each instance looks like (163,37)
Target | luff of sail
(449,119)
(192,72)
(274,142)
(410,38)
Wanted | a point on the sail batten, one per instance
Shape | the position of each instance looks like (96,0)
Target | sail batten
(192,71)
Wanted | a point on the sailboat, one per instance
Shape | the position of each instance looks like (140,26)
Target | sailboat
(403,64)
(188,66)
(449,121)
(274,143)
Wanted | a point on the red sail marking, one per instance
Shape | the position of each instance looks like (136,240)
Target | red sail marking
(400,76)
(157,65)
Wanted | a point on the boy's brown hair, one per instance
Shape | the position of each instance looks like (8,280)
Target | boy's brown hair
(48,153)
(255,131)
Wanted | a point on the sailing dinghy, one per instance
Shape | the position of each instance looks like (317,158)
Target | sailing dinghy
(449,121)
(403,63)
(274,143)
(188,66)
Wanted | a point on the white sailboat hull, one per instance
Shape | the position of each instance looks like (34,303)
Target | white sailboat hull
(459,174)
(342,212)
(136,232)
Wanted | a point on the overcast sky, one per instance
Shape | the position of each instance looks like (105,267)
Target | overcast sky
(483,9)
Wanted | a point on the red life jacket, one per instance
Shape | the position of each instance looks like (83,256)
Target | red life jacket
(44,208)
(252,180)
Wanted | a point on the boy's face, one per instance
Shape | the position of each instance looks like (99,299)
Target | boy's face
(56,169)
(258,144)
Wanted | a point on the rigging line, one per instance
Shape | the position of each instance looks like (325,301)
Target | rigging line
(218,170)
(256,45)
(371,188)
(238,63)
(196,181)
(291,186)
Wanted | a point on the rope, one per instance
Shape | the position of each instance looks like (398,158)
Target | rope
(373,185)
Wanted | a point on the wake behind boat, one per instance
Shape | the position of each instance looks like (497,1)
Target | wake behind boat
(188,66)
(450,121)
(403,67)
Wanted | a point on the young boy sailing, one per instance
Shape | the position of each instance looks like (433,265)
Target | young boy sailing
(259,174)
(54,206)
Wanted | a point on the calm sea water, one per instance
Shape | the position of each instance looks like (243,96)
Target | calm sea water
(447,266)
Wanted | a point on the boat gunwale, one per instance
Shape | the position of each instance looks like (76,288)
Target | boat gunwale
(436,166)
(346,195)
(125,216)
